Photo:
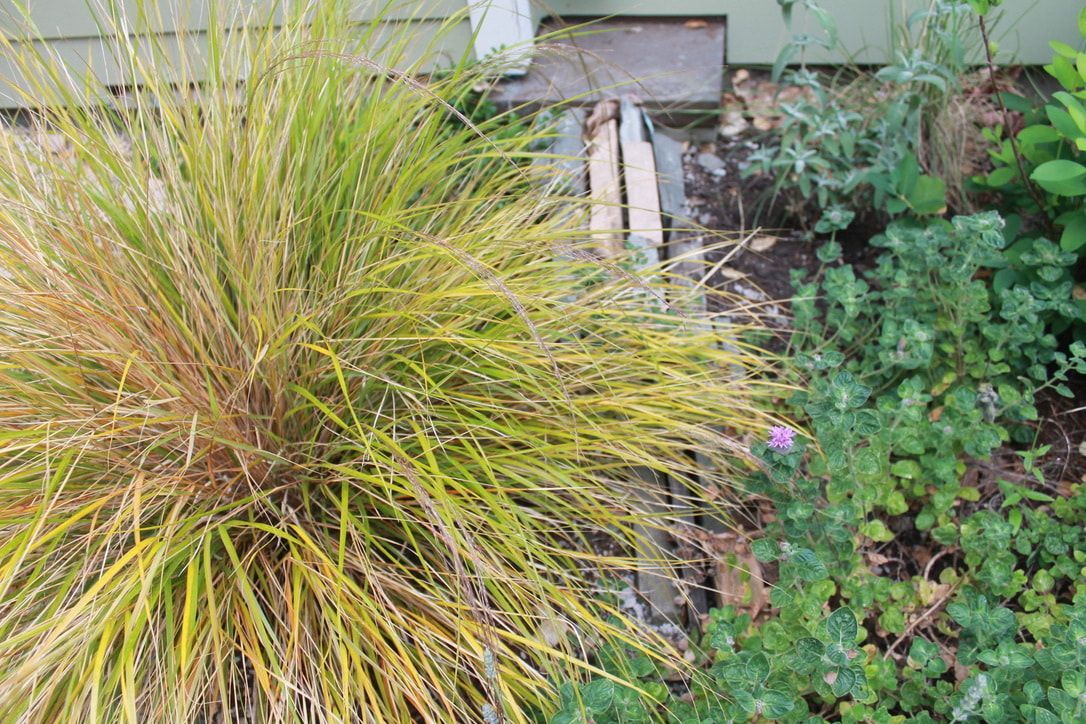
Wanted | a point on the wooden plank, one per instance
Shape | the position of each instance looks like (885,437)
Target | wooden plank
(566,154)
(683,247)
(683,260)
(656,560)
(668,154)
(641,194)
(658,565)
(604,182)
(639,170)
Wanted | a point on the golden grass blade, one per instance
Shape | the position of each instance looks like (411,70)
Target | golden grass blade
(304,415)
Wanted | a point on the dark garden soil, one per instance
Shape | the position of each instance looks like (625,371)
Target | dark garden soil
(721,199)
(1063,426)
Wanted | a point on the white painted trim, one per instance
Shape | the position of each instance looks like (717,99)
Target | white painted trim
(503,24)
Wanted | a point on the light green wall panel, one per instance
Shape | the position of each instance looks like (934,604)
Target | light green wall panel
(756,31)
(78,18)
(76,41)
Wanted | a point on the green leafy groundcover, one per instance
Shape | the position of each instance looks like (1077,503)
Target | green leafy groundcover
(919,384)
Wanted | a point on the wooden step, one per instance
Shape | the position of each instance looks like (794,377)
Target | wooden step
(675,67)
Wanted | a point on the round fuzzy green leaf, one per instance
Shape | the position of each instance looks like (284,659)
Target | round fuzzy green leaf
(808,652)
(757,668)
(1063,703)
(895,504)
(746,701)
(921,651)
(829,252)
(867,462)
(1037,715)
(841,681)
(893,620)
(841,626)
(837,460)
(877,531)
(765,550)
(808,566)
(776,704)
(598,695)
(908,469)
(780,597)
(1004,279)
(867,423)
(1061,177)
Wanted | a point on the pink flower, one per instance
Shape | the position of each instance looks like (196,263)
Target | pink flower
(781,438)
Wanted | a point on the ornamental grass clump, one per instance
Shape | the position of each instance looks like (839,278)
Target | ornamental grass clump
(312,399)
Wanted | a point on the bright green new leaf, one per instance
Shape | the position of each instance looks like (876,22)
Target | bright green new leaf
(1061,177)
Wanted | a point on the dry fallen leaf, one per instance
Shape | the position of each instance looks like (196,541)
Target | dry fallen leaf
(876,559)
(695,23)
(739,578)
(928,592)
(764,124)
(762,243)
(732,124)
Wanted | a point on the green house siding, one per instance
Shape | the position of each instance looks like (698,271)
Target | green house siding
(69,30)
(76,18)
(756,31)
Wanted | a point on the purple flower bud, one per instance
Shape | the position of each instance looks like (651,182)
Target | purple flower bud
(781,438)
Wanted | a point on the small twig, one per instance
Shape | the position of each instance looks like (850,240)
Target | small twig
(1070,448)
(916,621)
(931,561)
(1033,192)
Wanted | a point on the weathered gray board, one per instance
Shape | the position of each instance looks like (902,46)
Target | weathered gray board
(675,69)
(657,562)
(605,179)
(683,255)
(651,170)
(567,152)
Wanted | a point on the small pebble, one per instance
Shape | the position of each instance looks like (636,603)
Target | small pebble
(710,162)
